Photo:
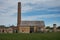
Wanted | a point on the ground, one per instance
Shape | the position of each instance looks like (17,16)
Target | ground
(31,36)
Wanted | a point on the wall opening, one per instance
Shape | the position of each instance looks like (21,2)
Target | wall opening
(31,29)
(14,31)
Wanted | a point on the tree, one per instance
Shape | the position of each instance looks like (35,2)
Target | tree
(48,27)
(2,26)
(58,27)
(12,26)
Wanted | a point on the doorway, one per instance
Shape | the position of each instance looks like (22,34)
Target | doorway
(14,31)
(31,29)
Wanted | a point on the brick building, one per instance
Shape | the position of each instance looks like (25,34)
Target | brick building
(24,26)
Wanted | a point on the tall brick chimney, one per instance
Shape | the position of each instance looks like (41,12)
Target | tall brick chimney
(19,16)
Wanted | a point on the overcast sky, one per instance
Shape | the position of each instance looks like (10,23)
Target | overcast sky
(37,10)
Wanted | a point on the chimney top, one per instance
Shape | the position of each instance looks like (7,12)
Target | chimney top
(19,2)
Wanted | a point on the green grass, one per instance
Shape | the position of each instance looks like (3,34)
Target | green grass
(32,36)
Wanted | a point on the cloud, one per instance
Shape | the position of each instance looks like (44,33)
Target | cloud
(40,4)
(9,8)
(28,5)
(39,17)
(8,21)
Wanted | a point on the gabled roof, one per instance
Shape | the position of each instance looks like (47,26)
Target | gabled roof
(32,23)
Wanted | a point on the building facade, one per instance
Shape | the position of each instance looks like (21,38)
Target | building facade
(25,27)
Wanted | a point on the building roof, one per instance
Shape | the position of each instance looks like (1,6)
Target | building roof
(32,23)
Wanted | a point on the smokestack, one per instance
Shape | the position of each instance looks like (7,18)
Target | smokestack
(19,16)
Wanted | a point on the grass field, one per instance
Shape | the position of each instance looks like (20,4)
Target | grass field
(31,36)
